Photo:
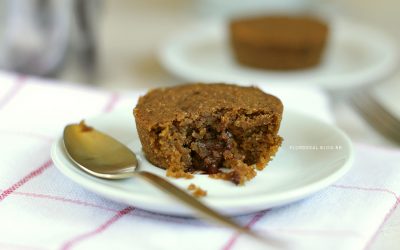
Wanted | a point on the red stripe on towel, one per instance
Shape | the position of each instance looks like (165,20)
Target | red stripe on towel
(35,173)
(19,83)
(384,190)
(69,244)
(111,103)
(64,200)
(387,215)
(385,219)
(249,225)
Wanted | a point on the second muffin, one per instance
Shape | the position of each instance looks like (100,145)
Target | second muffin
(278,42)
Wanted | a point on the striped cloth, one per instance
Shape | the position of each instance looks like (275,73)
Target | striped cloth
(41,209)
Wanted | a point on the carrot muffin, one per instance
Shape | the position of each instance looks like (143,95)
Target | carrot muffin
(278,42)
(222,130)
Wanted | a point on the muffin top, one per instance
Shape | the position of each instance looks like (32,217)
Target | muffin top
(280,29)
(163,105)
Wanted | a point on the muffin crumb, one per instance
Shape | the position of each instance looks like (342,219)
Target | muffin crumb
(196,191)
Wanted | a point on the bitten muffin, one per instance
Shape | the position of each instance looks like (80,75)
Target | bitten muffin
(278,42)
(226,131)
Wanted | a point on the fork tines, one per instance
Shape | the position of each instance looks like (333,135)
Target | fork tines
(377,115)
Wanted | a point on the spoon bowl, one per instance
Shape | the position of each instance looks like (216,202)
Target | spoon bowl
(97,153)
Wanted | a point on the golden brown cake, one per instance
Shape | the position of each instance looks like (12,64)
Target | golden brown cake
(222,130)
(278,42)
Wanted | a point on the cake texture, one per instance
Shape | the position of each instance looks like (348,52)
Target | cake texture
(278,42)
(226,131)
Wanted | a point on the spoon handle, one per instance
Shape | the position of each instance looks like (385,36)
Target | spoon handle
(203,210)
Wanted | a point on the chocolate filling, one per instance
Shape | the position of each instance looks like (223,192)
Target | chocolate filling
(224,144)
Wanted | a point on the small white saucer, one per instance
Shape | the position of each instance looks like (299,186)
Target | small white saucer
(313,156)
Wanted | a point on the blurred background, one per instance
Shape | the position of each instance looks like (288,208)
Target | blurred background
(114,44)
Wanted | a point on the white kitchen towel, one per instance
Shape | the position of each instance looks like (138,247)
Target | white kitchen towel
(42,209)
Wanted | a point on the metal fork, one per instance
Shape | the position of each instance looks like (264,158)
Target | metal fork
(377,115)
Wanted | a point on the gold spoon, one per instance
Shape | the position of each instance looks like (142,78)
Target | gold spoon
(102,156)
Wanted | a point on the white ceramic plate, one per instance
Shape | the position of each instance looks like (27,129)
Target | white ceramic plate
(355,55)
(294,173)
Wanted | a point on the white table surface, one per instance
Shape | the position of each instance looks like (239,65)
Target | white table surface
(132,31)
